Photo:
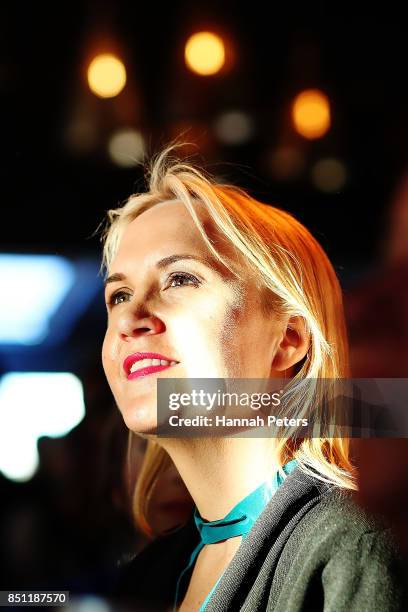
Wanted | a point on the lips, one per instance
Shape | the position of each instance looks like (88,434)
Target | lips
(135,357)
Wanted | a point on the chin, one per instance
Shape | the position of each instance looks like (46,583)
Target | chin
(142,420)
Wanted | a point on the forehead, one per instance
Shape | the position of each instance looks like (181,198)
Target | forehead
(170,225)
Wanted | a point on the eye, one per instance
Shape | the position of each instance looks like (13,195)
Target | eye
(183,276)
(116,298)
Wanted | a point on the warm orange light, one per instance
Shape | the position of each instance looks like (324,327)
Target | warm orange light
(106,76)
(311,114)
(205,53)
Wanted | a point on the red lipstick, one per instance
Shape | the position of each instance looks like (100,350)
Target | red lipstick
(131,359)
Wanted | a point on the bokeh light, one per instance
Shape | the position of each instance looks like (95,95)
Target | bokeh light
(126,147)
(233,127)
(311,114)
(205,53)
(106,76)
(81,134)
(47,280)
(32,405)
(329,175)
(286,163)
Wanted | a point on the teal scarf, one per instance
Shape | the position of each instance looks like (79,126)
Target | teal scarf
(237,522)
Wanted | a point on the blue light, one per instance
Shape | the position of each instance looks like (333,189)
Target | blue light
(32,289)
(32,405)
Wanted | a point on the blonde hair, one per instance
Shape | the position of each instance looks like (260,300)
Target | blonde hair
(298,278)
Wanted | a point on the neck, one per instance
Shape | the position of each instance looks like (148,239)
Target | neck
(219,472)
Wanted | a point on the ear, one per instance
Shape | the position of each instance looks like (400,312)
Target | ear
(292,347)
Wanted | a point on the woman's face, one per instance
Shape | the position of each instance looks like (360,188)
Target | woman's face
(192,311)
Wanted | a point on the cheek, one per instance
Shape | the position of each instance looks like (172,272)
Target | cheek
(107,354)
(232,322)
(231,336)
(246,340)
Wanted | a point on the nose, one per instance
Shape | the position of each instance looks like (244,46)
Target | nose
(139,322)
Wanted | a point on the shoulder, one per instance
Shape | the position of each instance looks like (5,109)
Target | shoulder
(343,556)
(337,528)
(336,514)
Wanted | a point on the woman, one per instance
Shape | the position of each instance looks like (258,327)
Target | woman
(206,282)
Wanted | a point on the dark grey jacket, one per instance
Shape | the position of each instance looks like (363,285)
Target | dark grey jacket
(311,549)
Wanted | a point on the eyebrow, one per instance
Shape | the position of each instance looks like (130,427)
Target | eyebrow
(163,263)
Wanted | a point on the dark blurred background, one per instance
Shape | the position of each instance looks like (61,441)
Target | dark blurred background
(68,155)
